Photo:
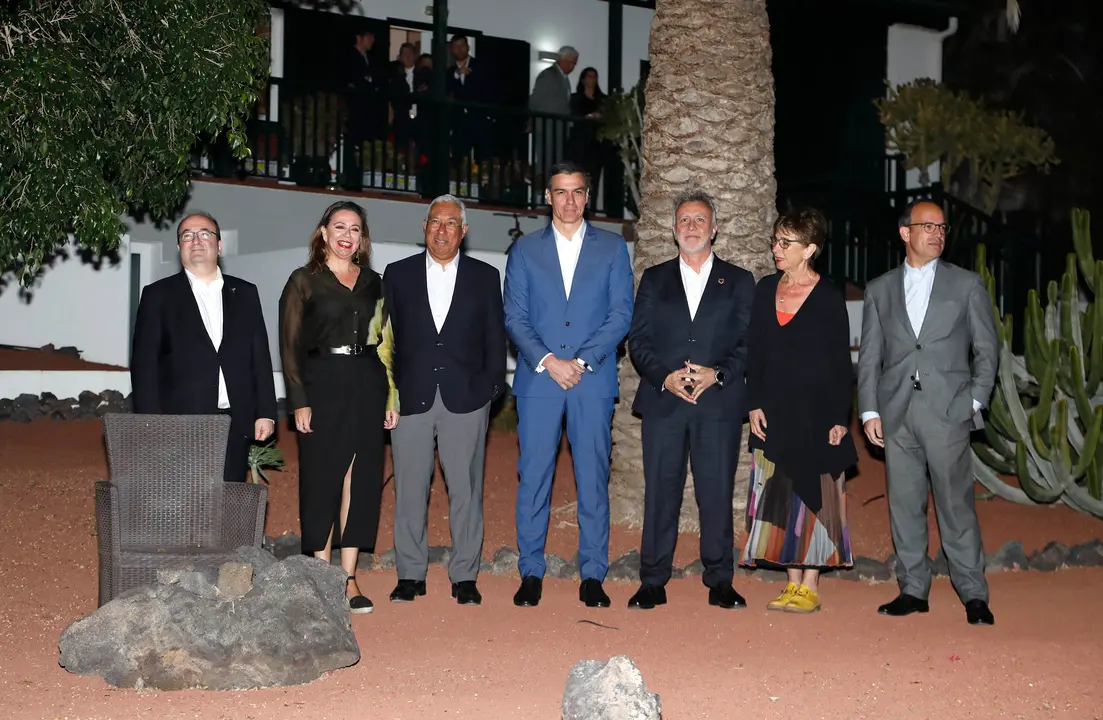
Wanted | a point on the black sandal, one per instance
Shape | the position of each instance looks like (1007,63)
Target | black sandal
(358,604)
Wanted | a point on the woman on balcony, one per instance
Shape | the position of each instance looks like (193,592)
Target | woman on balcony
(800,385)
(336,343)
(585,147)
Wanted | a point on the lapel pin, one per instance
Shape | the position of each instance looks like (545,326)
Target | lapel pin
(720,281)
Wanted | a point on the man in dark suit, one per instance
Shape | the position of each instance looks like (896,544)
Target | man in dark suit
(366,109)
(689,342)
(551,94)
(403,85)
(200,346)
(450,364)
(469,81)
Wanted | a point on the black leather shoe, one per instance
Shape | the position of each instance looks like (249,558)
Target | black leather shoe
(407,590)
(904,605)
(467,592)
(528,595)
(358,604)
(977,613)
(726,597)
(591,593)
(647,597)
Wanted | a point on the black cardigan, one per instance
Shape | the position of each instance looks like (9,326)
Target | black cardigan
(800,376)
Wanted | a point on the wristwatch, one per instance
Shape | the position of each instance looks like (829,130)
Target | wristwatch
(719,376)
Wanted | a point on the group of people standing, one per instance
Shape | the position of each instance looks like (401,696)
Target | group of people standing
(428,340)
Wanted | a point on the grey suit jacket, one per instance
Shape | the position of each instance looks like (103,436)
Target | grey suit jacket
(959,317)
(551,93)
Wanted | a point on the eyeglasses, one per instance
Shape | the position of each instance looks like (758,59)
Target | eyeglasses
(930,227)
(203,236)
(449,224)
(782,242)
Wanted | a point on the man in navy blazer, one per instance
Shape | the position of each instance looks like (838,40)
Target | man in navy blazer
(689,342)
(568,304)
(449,365)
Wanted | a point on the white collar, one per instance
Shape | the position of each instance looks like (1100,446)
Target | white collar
(927,269)
(579,234)
(430,262)
(706,266)
(217,283)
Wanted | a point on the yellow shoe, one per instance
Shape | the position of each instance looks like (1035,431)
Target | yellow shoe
(783,599)
(805,601)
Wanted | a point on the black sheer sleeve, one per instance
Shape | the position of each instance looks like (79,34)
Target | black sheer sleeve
(292,351)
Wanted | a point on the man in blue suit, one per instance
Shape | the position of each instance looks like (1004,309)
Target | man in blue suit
(568,304)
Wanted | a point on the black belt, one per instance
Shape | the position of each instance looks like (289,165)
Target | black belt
(342,350)
(225,411)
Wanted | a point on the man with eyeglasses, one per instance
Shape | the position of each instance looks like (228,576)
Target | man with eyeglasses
(449,365)
(918,397)
(201,347)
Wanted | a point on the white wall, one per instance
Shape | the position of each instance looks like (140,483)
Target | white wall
(913,53)
(73,303)
(546,26)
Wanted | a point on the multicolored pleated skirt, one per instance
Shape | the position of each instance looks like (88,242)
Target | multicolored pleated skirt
(781,530)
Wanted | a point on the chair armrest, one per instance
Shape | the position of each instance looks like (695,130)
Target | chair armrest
(243,507)
(108,541)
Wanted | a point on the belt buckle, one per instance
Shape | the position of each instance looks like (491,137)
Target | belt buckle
(356,349)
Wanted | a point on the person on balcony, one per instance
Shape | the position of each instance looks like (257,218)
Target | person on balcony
(404,109)
(551,94)
(918,395)
(469,81)
(585,147)
(568,305)
(336,346)
(450,364)
(799,385)
(366,110)
(689,342)
(201,347)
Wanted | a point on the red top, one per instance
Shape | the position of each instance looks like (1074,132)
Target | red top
(784,317)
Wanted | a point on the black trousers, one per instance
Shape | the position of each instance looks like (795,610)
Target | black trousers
(237,455)
(712,446)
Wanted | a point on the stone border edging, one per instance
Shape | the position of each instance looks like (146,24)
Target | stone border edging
(88,406)
(1009,558)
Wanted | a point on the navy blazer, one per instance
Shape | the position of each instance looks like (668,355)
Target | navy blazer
(663,337)
(467,358)
(174,365)
(589,325)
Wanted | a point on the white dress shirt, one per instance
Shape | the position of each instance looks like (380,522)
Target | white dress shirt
(410,82)
(568,249)
(694,282)
(209,299)
(460,65)
(918,284)
(441,283)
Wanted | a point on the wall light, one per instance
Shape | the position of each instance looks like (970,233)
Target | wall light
(545,56)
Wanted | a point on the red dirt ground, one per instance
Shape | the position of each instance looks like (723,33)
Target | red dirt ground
(434,659)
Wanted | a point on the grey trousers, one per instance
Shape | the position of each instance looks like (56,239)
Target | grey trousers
(461,442)
(925,442)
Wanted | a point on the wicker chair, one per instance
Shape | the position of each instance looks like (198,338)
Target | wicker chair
(166,505)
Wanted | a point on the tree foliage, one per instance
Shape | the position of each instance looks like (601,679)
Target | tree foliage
(101,104)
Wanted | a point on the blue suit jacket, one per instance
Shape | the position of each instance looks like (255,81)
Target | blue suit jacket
(541,319)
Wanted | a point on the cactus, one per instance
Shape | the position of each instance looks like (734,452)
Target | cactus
(1044,423)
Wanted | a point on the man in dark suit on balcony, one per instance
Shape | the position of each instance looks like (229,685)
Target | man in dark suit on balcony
(200,346)
(473,82)
(450,362)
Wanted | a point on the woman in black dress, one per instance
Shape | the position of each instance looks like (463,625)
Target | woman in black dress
(799,384)
(585,147)
(336,345)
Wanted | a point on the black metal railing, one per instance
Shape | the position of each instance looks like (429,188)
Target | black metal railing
(390,142)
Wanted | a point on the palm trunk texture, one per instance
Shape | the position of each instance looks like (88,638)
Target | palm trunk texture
(708,123)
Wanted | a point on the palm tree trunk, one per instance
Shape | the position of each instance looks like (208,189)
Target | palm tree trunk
(708,123)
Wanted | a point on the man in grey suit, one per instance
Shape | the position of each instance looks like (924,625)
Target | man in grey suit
(918,397)
(551,94)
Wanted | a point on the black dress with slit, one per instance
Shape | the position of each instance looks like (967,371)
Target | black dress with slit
(347,394)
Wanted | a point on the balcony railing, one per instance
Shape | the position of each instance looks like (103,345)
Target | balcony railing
(387,142)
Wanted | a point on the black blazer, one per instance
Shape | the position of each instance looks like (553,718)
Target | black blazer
(476,87)
(174,366)
(467,359)
(663,337)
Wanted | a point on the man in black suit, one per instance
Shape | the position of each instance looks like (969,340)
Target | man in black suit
(403,85)
(449,365)
(470,81)
(688,340)
(366,108)
(200,346)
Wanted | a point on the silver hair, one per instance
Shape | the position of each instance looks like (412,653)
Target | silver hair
(695,195)
(566,52)
(448,199)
